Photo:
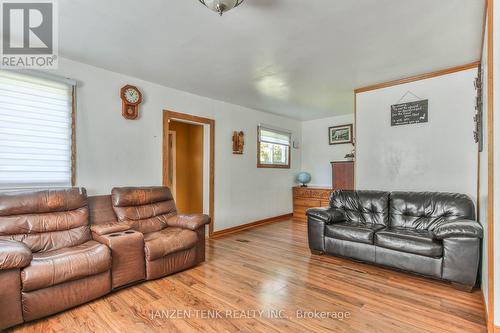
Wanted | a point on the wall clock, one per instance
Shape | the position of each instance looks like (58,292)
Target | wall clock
(131,98)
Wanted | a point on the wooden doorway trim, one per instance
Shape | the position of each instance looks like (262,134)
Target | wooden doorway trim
(491,202)
(171,115)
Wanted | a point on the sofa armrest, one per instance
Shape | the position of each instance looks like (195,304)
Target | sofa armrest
(459,229)
(14,254)
(326,214)
(109,228)
(191,222)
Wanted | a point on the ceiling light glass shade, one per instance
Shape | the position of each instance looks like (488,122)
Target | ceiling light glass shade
(221,6)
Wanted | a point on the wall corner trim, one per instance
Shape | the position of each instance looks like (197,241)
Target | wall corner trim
(418,77)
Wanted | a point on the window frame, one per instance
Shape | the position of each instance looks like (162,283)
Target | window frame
(273,166)
(73,136)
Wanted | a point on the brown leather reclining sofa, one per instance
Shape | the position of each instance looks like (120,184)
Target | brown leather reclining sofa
(60,249)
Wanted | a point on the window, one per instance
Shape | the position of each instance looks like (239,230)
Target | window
(273,148)
(36,121)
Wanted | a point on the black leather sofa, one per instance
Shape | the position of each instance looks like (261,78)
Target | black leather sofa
(431,234)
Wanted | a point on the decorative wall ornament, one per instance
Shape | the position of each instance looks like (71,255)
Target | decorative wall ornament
(131,98)
(340,134)
(238,142)
(478,117)
(352,155)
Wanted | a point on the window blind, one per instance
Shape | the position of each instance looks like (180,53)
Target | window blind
(274,136)
(35,132)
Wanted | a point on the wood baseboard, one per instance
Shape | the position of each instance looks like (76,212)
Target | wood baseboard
(490,326)
(486,318)
(242,227)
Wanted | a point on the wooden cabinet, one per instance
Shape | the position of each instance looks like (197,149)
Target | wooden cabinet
(308,197)
(343,175)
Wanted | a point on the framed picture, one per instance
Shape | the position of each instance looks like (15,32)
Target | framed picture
(340,134)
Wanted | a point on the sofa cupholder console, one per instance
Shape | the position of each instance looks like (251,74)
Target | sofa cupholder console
(127,251)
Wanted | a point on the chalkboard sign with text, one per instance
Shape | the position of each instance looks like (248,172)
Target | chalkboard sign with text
(410,113)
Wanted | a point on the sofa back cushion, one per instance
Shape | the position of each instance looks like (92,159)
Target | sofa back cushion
(362,206)
(145,209)
(45,220)
(428,210)
(101,210)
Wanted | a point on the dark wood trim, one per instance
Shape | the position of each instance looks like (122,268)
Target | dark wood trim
(355,135)
(273,166)
(73,137)
(491,202)
(250,225)
(189,117)
(418,77)
(171,115)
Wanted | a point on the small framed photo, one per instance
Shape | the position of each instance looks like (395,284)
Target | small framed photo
(340,134)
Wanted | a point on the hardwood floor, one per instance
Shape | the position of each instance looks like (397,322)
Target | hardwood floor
(271,268)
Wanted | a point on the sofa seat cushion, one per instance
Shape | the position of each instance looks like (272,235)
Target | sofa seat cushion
(414,241)
(158,244)
(353,231)
(50,268)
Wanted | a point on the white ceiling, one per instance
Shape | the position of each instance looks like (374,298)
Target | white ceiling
(296,58)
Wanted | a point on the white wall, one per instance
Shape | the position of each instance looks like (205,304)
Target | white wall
(317,153)
(496,135)
(113,151)
(436,156)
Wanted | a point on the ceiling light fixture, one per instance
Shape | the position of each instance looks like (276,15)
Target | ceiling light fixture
(221,6)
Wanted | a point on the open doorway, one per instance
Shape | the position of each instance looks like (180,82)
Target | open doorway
(186,166)
(188,162)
